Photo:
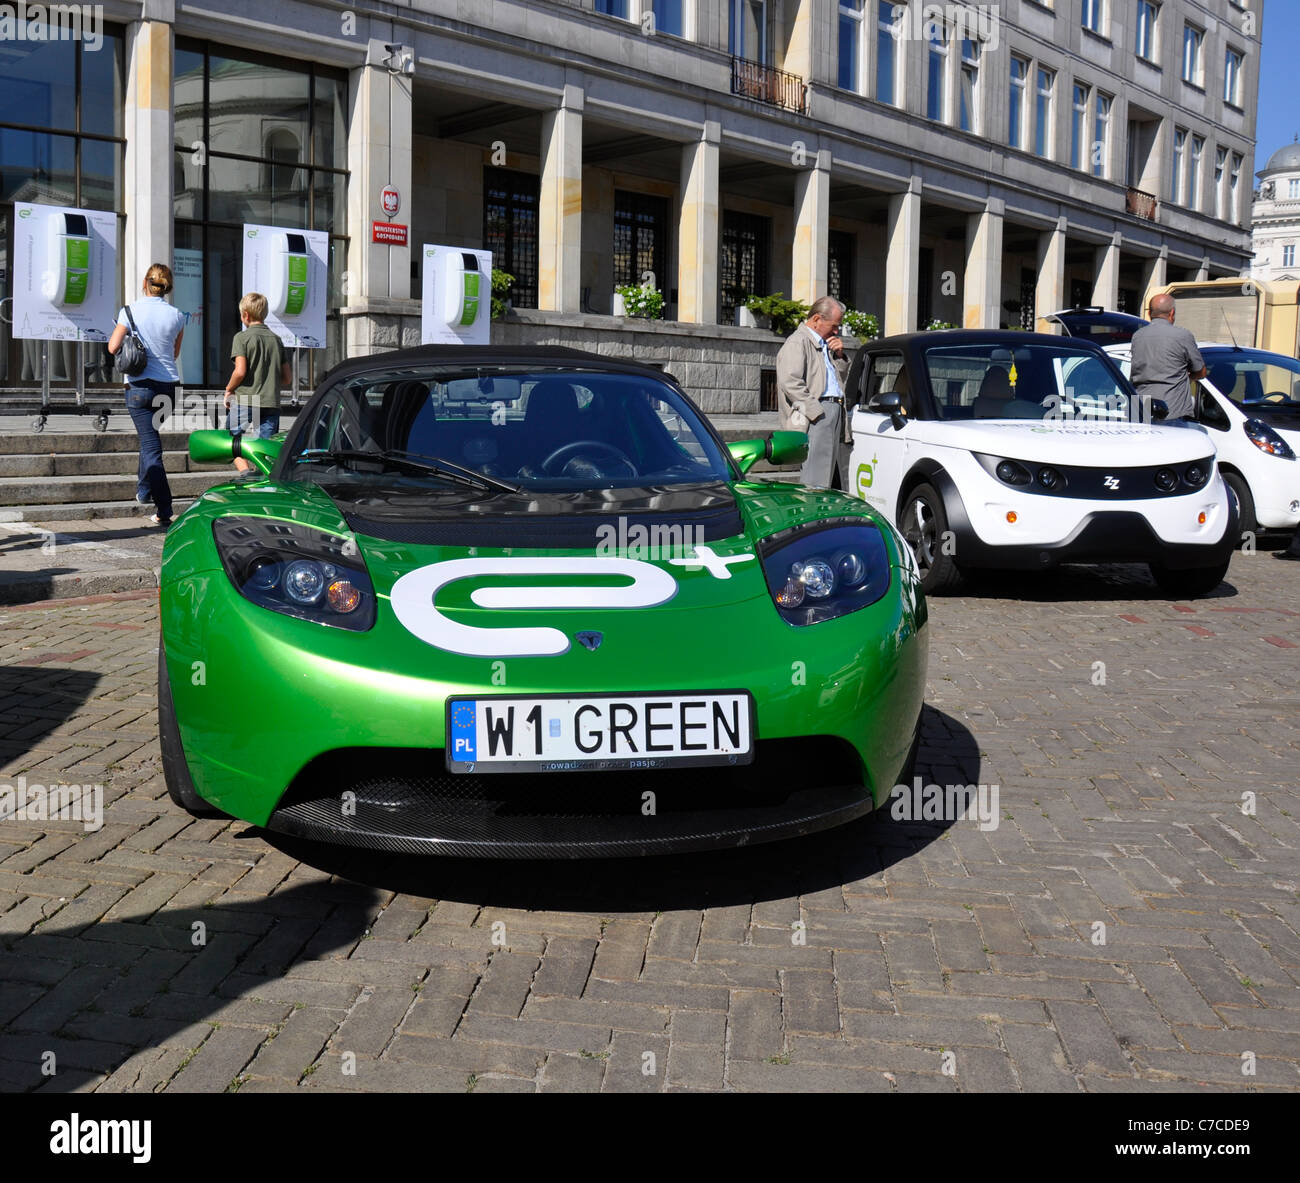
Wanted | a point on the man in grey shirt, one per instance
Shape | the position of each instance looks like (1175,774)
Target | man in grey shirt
(1166,361)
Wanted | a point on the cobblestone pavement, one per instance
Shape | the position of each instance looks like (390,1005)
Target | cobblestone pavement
(1126,926)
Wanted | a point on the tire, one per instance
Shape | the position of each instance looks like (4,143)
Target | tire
(1190,583)
(923,523)
(1247,522)
(176,773)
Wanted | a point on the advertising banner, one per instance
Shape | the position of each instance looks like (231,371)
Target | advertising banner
(290,268)
(457,296)
(65,285)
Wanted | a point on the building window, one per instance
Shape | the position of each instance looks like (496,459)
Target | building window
(1147,14)
(616,8)
(1193,56)
(668,14)
(61,143)
(1220,163)
(886,45)
(936,74)
(1079,127)
(969,114)
(510,209)
(1198,153)
(1234,185)
(839,266)
(1293,188)
(747,37)
(640,239)
(1043,138)
(852,24)
(1017,105)
(1101,136)
(1288,256)
(1178,175)
(743,260)
(275,132)
(1094,16)
(1232,77)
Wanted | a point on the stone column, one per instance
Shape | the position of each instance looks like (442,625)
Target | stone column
(812,210)
(559,207)
(982,285)
(379,154)
(1154,275)
(697,232)
(902,259)
(1203,271)
(1049,296)
(1105,288)
(147,122)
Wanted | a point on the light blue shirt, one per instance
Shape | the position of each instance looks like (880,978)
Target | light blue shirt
(158,324)
(832,378)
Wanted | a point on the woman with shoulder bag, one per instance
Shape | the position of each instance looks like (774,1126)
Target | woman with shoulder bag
(159,327)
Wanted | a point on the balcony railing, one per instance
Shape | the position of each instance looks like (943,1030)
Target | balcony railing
(1142,205)
(753,80)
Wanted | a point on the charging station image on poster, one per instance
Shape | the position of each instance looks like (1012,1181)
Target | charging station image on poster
(457,296)
(65,273)
(289,267)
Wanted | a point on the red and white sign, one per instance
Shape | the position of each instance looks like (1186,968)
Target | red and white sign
(392,233)
(390,199)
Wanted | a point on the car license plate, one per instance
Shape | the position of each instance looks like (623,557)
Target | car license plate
(599,732)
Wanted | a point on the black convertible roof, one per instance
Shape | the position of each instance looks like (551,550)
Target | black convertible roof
(904,341)
(487,355)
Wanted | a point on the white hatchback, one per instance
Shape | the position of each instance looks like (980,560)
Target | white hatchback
(1250,405)
(1000,449)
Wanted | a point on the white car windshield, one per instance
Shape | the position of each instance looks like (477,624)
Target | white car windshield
(1253,378)
(1031,381)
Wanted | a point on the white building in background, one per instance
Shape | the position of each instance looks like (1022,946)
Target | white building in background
(1276,216)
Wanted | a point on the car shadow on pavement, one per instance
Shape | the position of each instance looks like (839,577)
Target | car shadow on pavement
(34,700)
(948,755)
(82,999)
(1076,584)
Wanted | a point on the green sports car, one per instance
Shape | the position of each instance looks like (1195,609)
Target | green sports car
(525,602)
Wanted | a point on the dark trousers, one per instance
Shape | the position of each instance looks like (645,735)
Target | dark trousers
(144,396)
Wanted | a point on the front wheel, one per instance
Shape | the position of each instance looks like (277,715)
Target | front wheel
(1246,520)
(1190,583)
(924,524)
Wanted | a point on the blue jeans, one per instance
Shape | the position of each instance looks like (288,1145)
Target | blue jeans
(143,397)
(262,422)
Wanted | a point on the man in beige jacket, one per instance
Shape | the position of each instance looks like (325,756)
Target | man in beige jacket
(810,373)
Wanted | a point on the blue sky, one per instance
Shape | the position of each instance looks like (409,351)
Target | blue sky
(1279,114)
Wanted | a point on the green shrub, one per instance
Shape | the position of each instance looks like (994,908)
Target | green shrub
(862,325)
(785,315)
(642,300)
(502,281)
(937,325)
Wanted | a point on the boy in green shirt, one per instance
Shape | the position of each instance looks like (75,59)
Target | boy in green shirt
(260,370)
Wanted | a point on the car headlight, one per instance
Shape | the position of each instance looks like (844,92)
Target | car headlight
(824,570)
(295,569)
(1012,472)
(1198,473)
(1266,439)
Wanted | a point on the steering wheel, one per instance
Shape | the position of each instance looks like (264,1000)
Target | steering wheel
(567,451)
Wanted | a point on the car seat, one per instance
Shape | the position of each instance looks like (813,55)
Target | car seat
(994,394)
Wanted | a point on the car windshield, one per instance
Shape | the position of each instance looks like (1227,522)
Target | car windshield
(1254,378)
(983,380)
(1101,328)
(507,426)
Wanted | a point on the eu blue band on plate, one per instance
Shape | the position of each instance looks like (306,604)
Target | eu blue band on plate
(464,734)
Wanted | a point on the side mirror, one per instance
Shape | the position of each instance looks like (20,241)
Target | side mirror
(1159,410)
(892,404)
(220,447)
(780,447)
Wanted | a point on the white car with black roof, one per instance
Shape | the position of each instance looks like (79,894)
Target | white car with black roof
(1013,450)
